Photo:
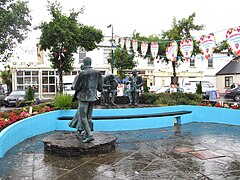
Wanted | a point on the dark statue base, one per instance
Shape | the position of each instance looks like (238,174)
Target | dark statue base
(69,144)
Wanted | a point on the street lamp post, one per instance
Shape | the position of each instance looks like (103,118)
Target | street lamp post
(111,26)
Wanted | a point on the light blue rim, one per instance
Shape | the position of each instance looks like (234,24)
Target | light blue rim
(47,122)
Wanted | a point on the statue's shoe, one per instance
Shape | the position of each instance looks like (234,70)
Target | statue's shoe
(88,139)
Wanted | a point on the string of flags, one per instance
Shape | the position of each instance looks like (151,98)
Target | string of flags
(207,43)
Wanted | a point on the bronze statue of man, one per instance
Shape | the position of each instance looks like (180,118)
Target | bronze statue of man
(89,81)
(136,83)
(109,87)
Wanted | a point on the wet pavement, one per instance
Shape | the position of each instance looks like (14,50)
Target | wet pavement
(191,151)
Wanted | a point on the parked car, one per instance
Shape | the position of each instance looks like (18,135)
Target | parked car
(233,94)
(14,98)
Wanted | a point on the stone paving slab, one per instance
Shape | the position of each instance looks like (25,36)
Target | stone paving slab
(143,154)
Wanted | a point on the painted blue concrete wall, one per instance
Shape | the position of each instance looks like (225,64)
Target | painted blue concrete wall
(47,122)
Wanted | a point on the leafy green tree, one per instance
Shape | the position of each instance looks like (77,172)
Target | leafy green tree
(223,46)
(6,76)
(122,61)
(15,22)
(63,35)
(181,30)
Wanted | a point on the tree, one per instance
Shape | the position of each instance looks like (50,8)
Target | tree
(63,35)
(15,22)
(6,76)
(199,88)
(122,61)
(181,30)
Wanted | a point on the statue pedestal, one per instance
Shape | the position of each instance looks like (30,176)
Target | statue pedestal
(69,144)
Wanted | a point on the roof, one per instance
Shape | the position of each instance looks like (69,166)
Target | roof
(233,67)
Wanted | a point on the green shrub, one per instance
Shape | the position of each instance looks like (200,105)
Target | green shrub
(199,88)
(63,101)
(149,98)
(29,94)
(167,99)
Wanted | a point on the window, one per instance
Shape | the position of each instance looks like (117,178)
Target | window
(210,62)
(48,81)
(27,78)
(228,81)
(192,62)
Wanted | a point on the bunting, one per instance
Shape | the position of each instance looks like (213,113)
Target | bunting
(154,49)
(233,40)
(207,43)
(171,51)
(186,48)
(144,48)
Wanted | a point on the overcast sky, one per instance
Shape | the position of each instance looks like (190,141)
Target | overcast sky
(146,17)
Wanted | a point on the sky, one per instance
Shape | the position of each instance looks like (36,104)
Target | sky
(146,17)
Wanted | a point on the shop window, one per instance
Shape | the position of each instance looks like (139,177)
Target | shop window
(51,88)
(51,73)
(51,80)
(45,80)
(45,88)
(35,80)
(27,73)
(34,73)
(19,80)
(27,80)
(45,73)
(20,73)
(20,87)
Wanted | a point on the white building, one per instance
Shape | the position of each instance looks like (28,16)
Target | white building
(161,73)
(32,67)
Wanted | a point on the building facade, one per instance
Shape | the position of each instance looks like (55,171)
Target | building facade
(35,69)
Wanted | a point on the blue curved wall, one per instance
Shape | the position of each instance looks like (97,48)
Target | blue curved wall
(46,122)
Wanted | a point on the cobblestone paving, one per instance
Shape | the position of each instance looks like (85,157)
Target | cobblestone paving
(164,153)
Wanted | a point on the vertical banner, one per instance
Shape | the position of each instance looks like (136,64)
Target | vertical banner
(128,44)
(186,48)
(154,49)
(144,48)
(122,41)
(233,40)
(116,38)
(171,51)
(135,47)
(207,44)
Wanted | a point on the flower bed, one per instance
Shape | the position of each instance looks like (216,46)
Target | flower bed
(221,104)
(10,117)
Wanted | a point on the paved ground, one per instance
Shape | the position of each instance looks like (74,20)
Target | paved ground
(193,151)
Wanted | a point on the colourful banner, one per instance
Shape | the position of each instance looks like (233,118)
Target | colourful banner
(233,40)
(128,44)
(207,44)
(144,48)
(186,48)
(135,47)
(154,49)
(171,51)
(122,41)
